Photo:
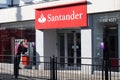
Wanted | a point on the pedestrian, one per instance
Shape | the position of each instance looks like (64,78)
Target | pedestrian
(20,51)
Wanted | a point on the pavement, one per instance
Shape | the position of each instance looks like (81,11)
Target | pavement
(7,73)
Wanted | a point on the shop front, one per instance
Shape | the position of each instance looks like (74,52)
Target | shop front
(107,30)
(63,31)
(12,33)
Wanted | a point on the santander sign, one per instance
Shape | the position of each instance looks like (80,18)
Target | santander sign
(59,17)
(63,17)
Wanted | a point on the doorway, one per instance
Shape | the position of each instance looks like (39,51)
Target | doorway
(70,48)
(111,43)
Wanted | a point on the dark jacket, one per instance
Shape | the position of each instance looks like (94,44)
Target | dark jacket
(20,50)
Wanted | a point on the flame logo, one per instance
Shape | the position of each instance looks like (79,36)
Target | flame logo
(41,19)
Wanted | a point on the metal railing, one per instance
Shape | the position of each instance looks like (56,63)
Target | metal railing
(54,68)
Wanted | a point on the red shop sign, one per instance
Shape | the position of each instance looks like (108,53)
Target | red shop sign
(61,17)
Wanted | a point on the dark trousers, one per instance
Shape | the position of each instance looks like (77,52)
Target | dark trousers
(18,59)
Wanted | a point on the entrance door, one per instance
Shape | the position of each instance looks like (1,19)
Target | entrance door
(70,49)
(111,42)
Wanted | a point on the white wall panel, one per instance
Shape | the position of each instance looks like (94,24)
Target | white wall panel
(95,6)
(39,48)
(86,49)
(50,43)
(86,44)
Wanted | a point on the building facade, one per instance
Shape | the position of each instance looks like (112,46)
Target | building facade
(103,23)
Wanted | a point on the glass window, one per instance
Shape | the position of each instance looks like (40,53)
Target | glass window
(7,40)
(3,3)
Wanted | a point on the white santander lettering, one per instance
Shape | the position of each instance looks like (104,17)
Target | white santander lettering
(72,16)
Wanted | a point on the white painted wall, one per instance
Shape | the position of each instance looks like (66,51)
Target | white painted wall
(86,44)
(50,39)
(45,46)
(49,45)
(95,6)
(86,49)
(39,48)
(28,12)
